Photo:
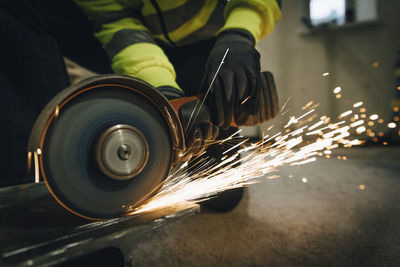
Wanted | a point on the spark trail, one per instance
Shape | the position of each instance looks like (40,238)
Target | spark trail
(298,145)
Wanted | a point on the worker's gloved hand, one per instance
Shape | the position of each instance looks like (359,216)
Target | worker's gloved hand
(237,79)
(199,132)
(262,107)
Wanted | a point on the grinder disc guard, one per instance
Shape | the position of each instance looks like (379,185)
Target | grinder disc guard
(107,146)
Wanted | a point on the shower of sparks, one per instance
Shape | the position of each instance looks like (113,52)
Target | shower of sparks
(307,105)
(247,98)
(373,117)
(357,123)
(357,104)
(344,114)
(360,130)
(283,107)
(337,90)
(197,182)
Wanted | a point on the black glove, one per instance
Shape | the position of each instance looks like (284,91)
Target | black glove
(237,78)
(240,91)
(199,133)
(265,100)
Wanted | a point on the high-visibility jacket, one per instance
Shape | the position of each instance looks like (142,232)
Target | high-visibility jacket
(127,29)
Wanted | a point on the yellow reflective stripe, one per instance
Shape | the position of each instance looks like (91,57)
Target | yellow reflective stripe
(92,8)
(107,31)
(213,25)
(173,18)
(147,62)
(194,24)
(247,19)
(148,8)
(268,11)
(157,76)
(125,38)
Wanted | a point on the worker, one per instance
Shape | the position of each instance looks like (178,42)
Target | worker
(166,43)
(174,45)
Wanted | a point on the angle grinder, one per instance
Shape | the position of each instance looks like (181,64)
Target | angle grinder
(105,145)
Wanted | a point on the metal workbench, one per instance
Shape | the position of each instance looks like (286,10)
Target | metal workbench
(36,231)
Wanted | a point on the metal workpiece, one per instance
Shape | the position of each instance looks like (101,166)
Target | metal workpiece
(36,231)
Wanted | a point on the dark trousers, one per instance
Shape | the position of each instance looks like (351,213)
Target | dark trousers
(35,35)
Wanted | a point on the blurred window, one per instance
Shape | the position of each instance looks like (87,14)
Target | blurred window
(336,13)
(327,12)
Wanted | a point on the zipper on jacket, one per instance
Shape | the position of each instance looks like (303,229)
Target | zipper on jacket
(162,22)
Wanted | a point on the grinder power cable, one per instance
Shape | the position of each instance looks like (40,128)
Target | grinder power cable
(105,145)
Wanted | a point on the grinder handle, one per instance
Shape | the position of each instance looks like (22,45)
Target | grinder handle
(178,102)
(267,76)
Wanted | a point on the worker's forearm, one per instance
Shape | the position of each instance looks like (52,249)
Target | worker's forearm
(128,43)
(256,16)
(146,62)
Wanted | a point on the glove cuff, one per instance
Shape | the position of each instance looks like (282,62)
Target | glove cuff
(170,92)
(236,35)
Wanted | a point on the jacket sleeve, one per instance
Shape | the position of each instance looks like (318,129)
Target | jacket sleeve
(256,16)
(128,42)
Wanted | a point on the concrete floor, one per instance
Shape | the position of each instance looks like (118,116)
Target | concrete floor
(327,221)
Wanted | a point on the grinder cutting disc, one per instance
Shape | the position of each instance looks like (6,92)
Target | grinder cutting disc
(107,146)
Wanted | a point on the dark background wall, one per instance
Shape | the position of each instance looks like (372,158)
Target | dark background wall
(299,58)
